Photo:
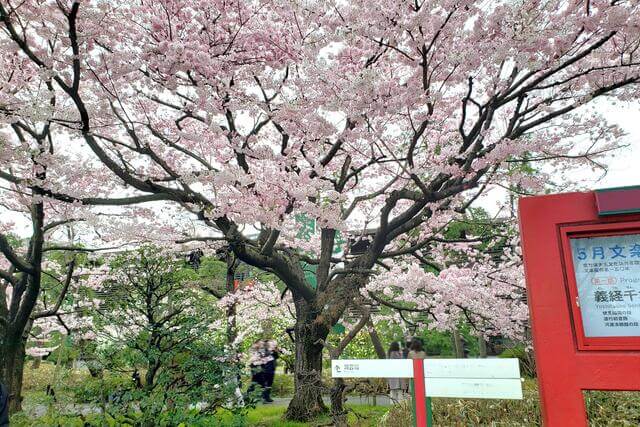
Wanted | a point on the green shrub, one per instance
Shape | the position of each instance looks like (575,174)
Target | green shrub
(368,386)
(37,380)
(283,385)
(105,389)
(527,362)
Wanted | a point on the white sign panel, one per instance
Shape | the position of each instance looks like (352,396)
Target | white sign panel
(461,378)
(608,280)
(372,368)
(474,388)
(471,368)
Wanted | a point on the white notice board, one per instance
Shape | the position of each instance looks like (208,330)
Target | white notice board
(471,368)
(474,388)
(607,273)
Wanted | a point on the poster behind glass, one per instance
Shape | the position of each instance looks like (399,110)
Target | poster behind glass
(607,273)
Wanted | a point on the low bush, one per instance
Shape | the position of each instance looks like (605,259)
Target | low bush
(282,385)
(603,409)
(105,389)
(48,374)
(527,362)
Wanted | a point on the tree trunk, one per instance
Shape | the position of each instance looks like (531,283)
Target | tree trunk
(11,371)
(375,340)
(232,332)
(338,413)
(309,335)
(457,344)
(482,346)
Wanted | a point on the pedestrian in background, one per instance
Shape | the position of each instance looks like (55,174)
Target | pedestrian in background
(395,384)
(256,362)
(416,351)
(406,343)
(405,347)
(271,354)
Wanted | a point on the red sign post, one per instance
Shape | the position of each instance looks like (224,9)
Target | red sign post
(582,269)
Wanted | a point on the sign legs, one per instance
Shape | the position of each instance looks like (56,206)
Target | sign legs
(567,411)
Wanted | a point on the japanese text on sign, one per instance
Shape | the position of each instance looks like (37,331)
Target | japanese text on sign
(607,273)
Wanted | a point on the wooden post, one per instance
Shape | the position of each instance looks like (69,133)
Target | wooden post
(457,344)
(482,346)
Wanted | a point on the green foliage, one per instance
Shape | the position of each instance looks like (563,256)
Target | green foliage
(62,379)
(437,343)
(272,416)
(527,364)
(158,330)
(282,385)
(212,270)
(359,348)
(263,416)
(103,389)
(603,408)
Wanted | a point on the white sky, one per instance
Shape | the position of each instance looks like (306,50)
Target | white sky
(623,164)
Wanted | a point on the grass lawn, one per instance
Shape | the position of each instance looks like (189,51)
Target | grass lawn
(271,415)
(603,408)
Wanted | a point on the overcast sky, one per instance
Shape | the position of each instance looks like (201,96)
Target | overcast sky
(625,164)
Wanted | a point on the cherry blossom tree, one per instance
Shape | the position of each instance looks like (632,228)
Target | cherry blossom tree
(485,290)
(383,119)
(22,277)
(40,235)
(24,261)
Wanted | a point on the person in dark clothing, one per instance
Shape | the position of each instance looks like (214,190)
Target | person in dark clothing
(405,348)
(406,343)
(269,369)
(4,406)
(256,362)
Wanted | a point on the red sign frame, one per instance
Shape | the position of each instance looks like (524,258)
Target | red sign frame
(567,361)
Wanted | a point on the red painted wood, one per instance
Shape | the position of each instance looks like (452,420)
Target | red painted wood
(610,202)
(564,368)
(420,393)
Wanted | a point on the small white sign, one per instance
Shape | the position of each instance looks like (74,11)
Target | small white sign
(372,368)
(474,388)
(471,368)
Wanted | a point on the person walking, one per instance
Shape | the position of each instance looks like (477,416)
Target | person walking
(406,343)
(416,351)
(396,392)
(271,354)
(256,362)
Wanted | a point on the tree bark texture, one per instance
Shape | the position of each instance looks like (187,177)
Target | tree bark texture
(12,357)
(310,334)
